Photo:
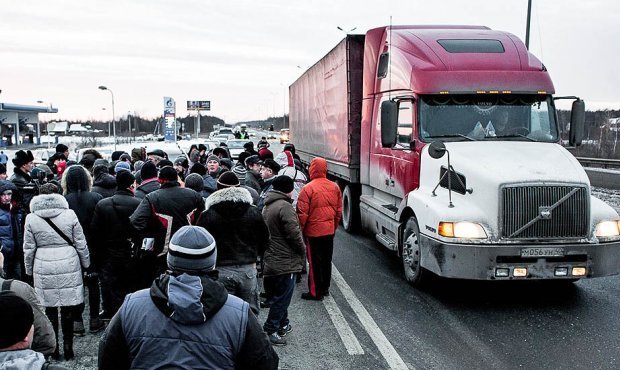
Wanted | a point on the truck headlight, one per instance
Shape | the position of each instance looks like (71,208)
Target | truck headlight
(462,229)
(608,229)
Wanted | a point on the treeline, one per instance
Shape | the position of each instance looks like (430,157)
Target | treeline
(277,122)
(600,138)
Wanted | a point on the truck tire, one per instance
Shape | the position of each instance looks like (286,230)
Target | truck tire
(411,255)
(350,209)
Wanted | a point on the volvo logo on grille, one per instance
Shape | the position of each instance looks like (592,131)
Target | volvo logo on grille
(544,212)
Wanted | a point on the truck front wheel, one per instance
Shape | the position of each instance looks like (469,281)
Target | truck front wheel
(350,209)
(411,253)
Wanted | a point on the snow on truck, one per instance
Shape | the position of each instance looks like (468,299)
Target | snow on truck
(446,144)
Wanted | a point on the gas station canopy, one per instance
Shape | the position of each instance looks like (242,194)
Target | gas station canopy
(12,116)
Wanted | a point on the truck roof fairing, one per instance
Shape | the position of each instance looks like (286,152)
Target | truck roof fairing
(420,63)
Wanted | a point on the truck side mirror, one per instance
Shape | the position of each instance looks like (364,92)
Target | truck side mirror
(577,123)
(389,123)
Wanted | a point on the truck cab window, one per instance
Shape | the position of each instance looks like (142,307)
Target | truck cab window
(497,117)
(405,122)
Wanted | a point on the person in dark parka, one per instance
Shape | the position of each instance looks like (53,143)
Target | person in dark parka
(76,185)
(103,182)
(115,243)
(149,183)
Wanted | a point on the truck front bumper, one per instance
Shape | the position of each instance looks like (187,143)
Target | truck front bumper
(499,261)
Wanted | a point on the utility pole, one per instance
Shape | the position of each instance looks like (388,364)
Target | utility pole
(527,29)
(129,121)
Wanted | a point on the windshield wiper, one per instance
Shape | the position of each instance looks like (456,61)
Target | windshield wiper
(517,135)
(451,135)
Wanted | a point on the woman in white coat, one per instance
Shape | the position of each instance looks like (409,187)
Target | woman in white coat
(55,260)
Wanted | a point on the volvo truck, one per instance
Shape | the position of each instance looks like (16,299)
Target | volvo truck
(446,144)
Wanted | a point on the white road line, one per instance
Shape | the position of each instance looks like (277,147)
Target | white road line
(342,326)
(383,344)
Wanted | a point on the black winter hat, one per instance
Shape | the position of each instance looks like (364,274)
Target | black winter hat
(272,165)
(249,145)
(117,155)
(88,161)
(227,180)
(202,147)
(22,157)
(220,152)
(164,162)
(192,250)
(167,173)
(158,152)
(2,168)
(148,171)
(283,183)
(198,168)
(16,318)
(124,180)
(182,161)
(195,182)
(61,148)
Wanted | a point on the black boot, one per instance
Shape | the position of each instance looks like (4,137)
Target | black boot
(68,351)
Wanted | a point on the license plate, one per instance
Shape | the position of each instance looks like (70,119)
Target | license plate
(542,252)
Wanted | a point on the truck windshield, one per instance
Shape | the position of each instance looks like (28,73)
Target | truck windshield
(484,117)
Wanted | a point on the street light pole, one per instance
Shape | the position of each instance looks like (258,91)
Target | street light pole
(129,121)
(113,117)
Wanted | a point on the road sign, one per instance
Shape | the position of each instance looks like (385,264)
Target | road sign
(199,105)
(169,119)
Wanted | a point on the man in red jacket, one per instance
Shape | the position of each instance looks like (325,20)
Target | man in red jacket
(319,208)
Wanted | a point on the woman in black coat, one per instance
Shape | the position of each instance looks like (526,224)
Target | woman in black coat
(76,184)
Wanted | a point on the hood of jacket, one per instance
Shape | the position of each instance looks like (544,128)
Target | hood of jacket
(276,195)
(188,299)
(318,168)
(48,205)
(21,359)
(7,185)
(230,201)
(105,180)
(76,179)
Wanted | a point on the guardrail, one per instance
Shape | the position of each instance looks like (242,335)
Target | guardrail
(599,162)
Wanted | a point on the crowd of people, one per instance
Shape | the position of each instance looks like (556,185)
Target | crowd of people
(172,255)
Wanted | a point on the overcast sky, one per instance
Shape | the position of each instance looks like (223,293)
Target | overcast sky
(243,55)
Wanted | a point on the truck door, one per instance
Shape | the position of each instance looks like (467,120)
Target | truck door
(381,161)
(405,162)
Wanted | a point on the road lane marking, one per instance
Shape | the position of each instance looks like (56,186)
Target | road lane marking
(383,344)
(342,327)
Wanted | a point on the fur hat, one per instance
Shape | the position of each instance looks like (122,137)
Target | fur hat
(226,180)
(22,157)
(283,183)
(16,318)
(148,170)
(192,250)
(195,182)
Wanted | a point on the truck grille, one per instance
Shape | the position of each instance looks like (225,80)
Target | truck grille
(544,212)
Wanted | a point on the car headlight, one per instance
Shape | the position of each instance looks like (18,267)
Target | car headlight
(462,229)
(608,230)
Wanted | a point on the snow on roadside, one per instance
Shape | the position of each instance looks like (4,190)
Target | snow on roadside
(609,196)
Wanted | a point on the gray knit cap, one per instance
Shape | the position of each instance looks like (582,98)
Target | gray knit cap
(192,250)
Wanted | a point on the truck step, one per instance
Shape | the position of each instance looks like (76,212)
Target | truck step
(386,241)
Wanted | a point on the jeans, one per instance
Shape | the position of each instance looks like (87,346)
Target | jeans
(13,267)
(280,290)
(240,281)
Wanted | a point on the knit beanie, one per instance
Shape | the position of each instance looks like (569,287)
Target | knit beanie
(240,171)
(167,173)
(124,179)
(182,161)
(195,182)
(148,171)
(122,166)
(194,155)
(99,161)
(213,158)
(283,183)
(227,180)
(164,162)
(16,318)
(192,250)
(199,169)
(138,165)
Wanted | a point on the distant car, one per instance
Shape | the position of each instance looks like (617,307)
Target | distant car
(284,136)
(223,137)
(236,147)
